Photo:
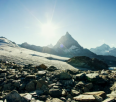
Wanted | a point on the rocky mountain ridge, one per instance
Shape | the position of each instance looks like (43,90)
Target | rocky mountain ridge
(104,50)
(5,41)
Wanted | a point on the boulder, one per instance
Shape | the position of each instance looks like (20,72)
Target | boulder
(42,66)
(51,68)
(113,88)
(16,83)
(67,82)
(30,86)
(13,97)
(8,86)
(55,92)
(92,77)
(27,97)
(64,92)
(80,76)
(41,84)
(64,76)
(89,85)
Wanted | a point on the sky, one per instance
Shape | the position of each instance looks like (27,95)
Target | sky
(43,22)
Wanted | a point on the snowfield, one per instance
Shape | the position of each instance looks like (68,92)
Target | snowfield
(24,56)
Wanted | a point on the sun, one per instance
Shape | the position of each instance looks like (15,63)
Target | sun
(48,29)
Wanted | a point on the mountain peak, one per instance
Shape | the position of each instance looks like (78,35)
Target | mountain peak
(105,45)
(68,41)
(67,34)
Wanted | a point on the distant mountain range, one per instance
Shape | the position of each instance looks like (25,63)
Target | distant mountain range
(104,50)
(67,46)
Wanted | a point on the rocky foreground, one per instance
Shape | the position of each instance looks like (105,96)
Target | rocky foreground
(48,84)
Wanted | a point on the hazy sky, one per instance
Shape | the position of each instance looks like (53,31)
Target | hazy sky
(43,22)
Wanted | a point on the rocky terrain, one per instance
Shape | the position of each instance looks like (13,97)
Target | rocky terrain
(30,83)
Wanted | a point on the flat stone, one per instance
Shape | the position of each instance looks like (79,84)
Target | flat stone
(109,100)
(27,96)
(75,92)
(86,98)
(54,100)
(41,73)
(80,76)
(98,93)
(92,77)
(28,77)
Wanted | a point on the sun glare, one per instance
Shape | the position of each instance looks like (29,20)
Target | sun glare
(48,29)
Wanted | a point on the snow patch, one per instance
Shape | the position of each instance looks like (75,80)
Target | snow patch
(72,48)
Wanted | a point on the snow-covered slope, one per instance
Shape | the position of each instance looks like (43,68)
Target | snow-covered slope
(24,56)
(4,41)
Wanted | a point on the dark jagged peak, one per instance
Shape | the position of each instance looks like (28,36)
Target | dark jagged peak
(68,41)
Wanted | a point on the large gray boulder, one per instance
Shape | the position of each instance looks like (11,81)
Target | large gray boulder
(14,96)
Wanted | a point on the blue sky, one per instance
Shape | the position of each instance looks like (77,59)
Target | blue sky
(90,22)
